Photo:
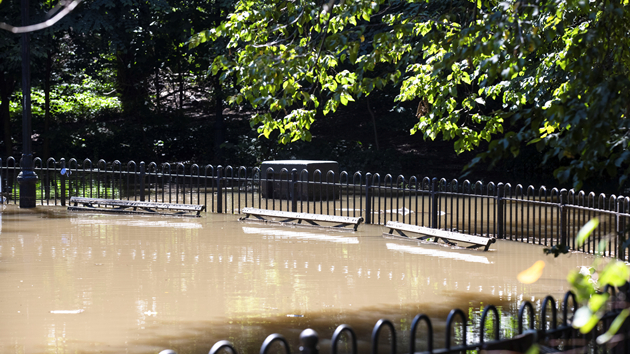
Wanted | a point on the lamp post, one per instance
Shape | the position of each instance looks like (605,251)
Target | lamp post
(27,177)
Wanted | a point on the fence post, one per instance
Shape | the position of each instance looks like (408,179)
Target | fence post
(63,182)
(293,190)
(142,174)
(219,189)
(309,339)
(368,198)
(563,217)
(434,203)
(620,228)
(500,222)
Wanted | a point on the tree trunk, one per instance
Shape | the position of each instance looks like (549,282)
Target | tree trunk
(48,73)
(132,86)
(373,123)
(7,85)
(181,89)
(158,103)
(219,127)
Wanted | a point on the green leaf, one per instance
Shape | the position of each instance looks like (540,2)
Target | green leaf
(616,273)
(585,320)
(614,327)
(534,349)
(596,301)
(354,51)
(586,231)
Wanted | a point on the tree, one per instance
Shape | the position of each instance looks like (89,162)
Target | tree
(10,55)
(122,34)
(554,74)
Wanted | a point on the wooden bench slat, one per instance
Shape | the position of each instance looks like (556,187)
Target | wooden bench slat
(443,234)
(135,203)
(308,217)
(127,205)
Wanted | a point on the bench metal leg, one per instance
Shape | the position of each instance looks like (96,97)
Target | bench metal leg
(447,241)
(287,220)
(400,233)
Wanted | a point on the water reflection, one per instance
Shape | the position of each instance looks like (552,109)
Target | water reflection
(289,234)
(432,252)
(109,283)
(147,222)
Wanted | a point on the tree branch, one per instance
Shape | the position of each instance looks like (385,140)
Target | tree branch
(32,28)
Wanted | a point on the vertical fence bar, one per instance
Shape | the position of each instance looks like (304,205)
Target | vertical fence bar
(368,198)
(563,217)
(309,339)
(500,219)
(293,190)
(376,183)
(73,162)
(619,229)
(239,185)
(63,183)
(334,190)
(229,181)
(219,190)
(434,203)
(142,175)
(305,190)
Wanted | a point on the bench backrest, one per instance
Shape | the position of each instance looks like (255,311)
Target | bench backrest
(439,233)
(303,216)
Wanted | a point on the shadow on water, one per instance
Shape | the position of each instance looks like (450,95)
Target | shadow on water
(248,334)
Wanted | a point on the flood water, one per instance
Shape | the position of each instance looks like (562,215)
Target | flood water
(92,283)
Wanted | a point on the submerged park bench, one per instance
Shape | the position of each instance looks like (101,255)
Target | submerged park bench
(446,236)
(312,219)
(133,207)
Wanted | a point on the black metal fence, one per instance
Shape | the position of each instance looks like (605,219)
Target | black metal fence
(548,335)
(546,216)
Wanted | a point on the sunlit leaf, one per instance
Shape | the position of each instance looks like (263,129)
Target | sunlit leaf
(597,301)
(614,327)
(586,231)
(616,273)
(585,319)
(582,316)
(531,274)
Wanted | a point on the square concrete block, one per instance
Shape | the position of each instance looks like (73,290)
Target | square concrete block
(276,184)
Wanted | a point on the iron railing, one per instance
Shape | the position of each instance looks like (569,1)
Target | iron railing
(549,336)
(545,216)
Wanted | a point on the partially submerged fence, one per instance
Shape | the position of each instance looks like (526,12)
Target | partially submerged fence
(548,335)
(546,216)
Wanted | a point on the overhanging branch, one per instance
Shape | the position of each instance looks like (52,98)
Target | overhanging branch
(66,8)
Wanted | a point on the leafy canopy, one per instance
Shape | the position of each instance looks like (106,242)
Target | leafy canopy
(554,73)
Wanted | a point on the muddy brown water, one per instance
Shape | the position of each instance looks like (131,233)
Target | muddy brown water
(91,283)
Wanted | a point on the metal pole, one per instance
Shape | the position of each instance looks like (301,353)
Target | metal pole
(142,175)
(219,189)
(434,203)
(63,182)
(368,198)
(293,190)
(563,218)
(27,178)
(309,339)
(500,221)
